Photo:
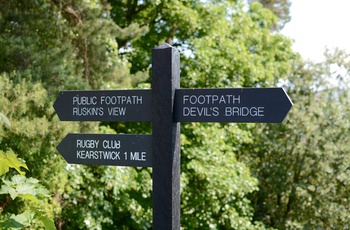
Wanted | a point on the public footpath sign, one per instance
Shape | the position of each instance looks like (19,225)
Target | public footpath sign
(107,149)
(104,105)
(165,105)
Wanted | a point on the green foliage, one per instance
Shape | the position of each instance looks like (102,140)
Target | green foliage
(25,219)
(26,189)
(9,160)
(222,44)
(239,52)
(62,45)
(113,197)
(31,192)
(280,8)
(47,46)
(303,164)
(214,184)
(22,187)
(4,121)
(31,114)
(300,167)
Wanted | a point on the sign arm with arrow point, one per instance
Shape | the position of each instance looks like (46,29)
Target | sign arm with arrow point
(263,105)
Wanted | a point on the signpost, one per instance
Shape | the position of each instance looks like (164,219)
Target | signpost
(165,106)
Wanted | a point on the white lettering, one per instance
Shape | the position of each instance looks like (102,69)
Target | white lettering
(134,156)
(244,111)
(86,111)
(117,111)
(84,100)
(200,111)
(82,154)
(210,99)
(111,155)
(143,156)
(138,156)
(120,100)
(111,144)
(88,144)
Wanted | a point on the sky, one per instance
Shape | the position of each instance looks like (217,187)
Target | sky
(317,24)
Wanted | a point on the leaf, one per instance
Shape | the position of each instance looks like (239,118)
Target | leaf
(18,221)
(4,119)
(9,160)
(30,197)
(17,179)
(42,191)
(6,189)
(25,188)
(48,223)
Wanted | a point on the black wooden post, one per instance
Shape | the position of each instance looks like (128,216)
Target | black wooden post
(165,139)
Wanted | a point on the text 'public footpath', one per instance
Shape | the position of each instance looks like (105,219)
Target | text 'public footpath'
(99,106)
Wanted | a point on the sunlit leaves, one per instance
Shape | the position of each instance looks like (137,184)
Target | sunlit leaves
(18,221)
(214,183)
(239,50)
(302,164)
(28,190)
(22,187)
(9,160)
(4,120)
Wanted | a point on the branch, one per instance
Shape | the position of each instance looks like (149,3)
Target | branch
(4,204)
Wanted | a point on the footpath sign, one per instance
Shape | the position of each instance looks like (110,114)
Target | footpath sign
(231,105)
(104,105)
(107,149)
(165,105)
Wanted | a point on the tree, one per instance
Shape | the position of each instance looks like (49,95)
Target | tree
(280,8)
(47,46)
(302,165)
(41,53)
(18,187)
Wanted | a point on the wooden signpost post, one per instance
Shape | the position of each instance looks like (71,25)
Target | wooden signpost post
(165,106)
